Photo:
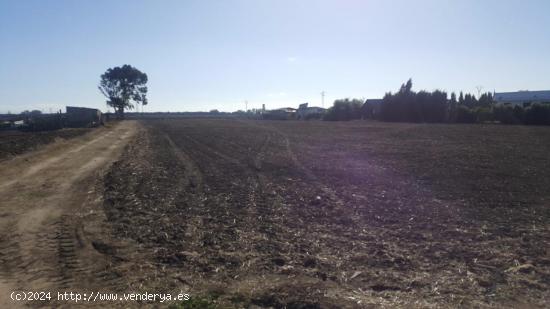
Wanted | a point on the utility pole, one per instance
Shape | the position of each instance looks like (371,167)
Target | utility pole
(246,106)
(323,99)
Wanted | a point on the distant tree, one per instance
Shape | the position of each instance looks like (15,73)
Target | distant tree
(519,113)
(537,114)
(123,86)
(437,107)
(453,98)
(465,115)
(214,111)
(507,114)
(407,87)
(407,105)
(453,105)
(470,100)
(483,114)
(344,109)
(486,100)
(461,98)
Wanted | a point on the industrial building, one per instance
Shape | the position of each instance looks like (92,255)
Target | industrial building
(523,98)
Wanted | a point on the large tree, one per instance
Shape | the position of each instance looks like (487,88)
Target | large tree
(124,86)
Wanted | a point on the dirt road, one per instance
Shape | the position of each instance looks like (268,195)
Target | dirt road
(45,197)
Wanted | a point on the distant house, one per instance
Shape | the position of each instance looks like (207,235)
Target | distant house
(11,121)
(371,108)
(285,113)
(78,117)
(304,112)
(18,123)
(524,98)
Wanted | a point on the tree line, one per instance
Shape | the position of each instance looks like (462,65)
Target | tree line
(345,109)
(407,105)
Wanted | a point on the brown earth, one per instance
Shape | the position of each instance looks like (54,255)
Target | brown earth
(260,214)
(46,195)
(13,143)
(336,215)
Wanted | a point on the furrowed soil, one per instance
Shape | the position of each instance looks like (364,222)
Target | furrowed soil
(259,214)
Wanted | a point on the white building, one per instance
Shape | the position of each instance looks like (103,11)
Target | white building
(303,111)
(522,97)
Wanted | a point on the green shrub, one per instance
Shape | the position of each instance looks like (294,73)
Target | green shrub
(344,110)
(508,114)
(465,115)
(537,114)
(483,114)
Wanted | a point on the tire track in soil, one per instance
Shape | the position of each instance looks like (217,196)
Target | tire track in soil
(239,227)
(223,198)
(240,209)
(68,260)
(331,204)
(320,227)
(265,215)
(287,235)
(41,247)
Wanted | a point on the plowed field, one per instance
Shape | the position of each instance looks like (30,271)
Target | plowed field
(335,215)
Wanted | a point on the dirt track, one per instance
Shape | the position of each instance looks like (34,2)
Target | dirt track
(46,195)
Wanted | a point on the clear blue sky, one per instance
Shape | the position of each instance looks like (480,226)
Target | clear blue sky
(201,55)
